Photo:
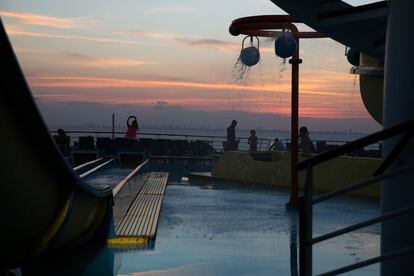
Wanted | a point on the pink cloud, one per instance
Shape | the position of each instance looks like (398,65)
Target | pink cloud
(139,32)
(317,99)
(43,20)
(87,61)
(307,87)
(18,31)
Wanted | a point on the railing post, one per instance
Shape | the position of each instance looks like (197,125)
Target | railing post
(305,225)
(113,126)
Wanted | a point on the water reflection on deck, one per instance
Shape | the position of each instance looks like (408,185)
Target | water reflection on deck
(207,228)
(210,229)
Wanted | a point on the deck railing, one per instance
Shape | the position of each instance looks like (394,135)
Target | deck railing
(216,141)
(306,239)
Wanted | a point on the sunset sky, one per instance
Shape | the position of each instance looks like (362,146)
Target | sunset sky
(95,58)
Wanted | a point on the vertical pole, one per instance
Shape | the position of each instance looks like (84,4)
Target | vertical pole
(113,126)
(302,236)
(398,192)
(306,226)
(293,240)
(295,61)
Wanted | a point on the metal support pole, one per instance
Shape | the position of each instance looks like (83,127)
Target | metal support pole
(113,126)
(302,236)
(306,226)
(398,192)
(263,26)
(294,147)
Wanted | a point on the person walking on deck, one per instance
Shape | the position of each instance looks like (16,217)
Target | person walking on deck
(253,140)
(306,144)
(231,136)
(62,141)
(277,145)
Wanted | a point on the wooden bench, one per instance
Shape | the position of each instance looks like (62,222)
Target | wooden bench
(139,224)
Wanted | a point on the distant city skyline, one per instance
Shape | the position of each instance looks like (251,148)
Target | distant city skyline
(172,61)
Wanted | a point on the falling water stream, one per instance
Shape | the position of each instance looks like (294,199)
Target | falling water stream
(240,71)
(244,75)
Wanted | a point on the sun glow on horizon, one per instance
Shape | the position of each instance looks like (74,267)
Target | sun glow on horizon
(87,56)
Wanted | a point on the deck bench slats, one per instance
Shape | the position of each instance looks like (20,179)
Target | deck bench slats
(156,184)
(142,218)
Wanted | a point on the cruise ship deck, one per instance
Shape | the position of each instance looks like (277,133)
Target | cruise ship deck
(226,228)
(212,228)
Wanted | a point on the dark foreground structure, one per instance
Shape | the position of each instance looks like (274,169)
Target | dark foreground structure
(45,205)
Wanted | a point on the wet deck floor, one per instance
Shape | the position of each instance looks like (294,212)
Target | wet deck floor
(222,229)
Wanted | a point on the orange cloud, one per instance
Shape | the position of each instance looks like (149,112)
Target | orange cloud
(196,43)
(139,32)
(212,43)
(86,61)
(43,20)
(312,87)
(322,94)
(17,31)
(261,105)
(216,44)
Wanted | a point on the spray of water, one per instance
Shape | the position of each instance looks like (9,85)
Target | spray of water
(240,71)
(244,75)
(351,106)
(281,68)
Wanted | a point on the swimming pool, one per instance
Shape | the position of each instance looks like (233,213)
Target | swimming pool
(213,228)
(210,228)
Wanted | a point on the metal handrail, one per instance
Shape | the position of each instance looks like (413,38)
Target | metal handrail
(184,135)
(210,138)
(85,174)
(388,256)
(362,184)
(84,165)
(357,144)
(394,153)
(386,216)
(307,200)
(263,143)
(121,184)
(154,134)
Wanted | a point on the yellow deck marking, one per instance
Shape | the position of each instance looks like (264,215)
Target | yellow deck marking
(128,241)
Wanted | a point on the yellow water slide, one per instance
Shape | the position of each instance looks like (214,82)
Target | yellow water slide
(44,205)
(371,82)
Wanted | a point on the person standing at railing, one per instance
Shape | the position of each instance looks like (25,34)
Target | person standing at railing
(277,145)
(62,141)
(231,136)
(132,130)
(306,144)
(253,140)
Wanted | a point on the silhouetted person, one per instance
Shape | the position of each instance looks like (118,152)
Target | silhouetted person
(277,145)
(253,140)
(306,144)
(132,128)
(231,136)
(62,141)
